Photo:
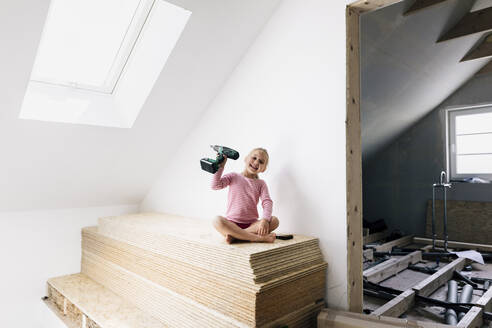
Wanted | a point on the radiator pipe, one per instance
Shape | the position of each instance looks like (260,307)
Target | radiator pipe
(452,297)
(465,297)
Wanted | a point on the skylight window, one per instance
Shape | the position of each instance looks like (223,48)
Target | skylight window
(86,43)
(98,60)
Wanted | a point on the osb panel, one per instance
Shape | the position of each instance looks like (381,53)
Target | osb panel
(469,222)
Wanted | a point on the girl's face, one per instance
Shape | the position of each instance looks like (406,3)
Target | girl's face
(256,162)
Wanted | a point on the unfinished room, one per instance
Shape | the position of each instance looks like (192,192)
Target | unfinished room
(425,104)
(260,163)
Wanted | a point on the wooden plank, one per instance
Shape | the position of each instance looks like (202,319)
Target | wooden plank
(406,300)
(481,50)
(386,247)
(454,244)
(487,69)
(368,254)
(376,236)
(354,150)
(473,318)
(471,23)
(468,221)
(364,6)
(430,284)
(354,164)
(486,300)
(391,267)
(421,4)
(398,305)
(340,319)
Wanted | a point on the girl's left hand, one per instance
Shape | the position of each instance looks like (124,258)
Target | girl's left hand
(264,227)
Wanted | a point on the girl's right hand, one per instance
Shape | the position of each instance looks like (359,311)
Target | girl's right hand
(224,162)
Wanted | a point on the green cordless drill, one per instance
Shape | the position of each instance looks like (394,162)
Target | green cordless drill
(212,165)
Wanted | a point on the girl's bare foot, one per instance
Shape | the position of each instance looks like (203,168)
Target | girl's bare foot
(270,238)
(229,239)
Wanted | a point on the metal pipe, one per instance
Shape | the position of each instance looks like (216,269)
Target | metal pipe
(452,297)
(434,217)
(445,218)
(465,297)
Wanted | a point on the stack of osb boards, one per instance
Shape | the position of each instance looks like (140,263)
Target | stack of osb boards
(181,272)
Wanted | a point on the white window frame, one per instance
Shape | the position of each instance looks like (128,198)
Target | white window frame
(451,156)
(120,108)
(132,34)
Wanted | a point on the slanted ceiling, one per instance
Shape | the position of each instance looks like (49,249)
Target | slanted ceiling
(405,72)
(56,165)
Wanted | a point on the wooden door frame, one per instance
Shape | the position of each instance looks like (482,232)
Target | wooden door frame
(354,149)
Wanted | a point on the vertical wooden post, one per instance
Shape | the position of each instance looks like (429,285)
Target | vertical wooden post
(354,149)
(354,165)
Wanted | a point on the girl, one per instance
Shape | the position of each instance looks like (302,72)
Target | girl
(245,189)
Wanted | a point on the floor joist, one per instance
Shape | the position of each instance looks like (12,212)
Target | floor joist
(391,267)
(376,236)
(454,244)
(339,319)
(386,247)
(473,22)
(473,319)
(406,300)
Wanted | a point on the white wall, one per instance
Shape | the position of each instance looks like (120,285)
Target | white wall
(35,246)
(288,95)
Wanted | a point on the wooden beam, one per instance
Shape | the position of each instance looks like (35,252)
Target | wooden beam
(454,244)
(430,284)
(481,50)
(376,236)
(473,318)
(391,267)
(471,23)
(354,164)
(364,6)
(354,150)
(398,305)
(386,247)
(421,4)
(368,254)
(487,69)
(339,319)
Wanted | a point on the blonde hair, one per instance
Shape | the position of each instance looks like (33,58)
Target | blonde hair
(262,150)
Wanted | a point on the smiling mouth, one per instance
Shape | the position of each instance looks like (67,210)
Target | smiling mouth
(254,168)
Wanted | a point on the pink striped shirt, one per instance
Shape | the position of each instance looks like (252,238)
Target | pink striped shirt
(243,196)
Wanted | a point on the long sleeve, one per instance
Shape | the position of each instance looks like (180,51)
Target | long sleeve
(266,203)
(219,181)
